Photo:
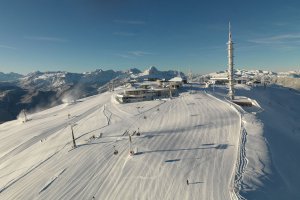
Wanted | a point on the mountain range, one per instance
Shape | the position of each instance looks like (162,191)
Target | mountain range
(10,76)
(40,90)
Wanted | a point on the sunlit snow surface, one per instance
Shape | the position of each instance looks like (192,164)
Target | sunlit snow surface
(224,151)
(192,137)
(272,144)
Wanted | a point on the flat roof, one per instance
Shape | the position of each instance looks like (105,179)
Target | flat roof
(136,89)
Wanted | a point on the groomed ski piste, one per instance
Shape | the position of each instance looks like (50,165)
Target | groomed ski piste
(192,137)
(222,150)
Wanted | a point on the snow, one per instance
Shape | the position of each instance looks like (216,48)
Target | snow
(225,151)
(272,143)
(193,137)
(281,130)
(245,74)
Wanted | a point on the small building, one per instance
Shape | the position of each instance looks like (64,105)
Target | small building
(219,80)
(140,94)
(176,82)
(149,85)
(241,80)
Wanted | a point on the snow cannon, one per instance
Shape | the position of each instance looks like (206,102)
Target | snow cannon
(115,151)
(131,153)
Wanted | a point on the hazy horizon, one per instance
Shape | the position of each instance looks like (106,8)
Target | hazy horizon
(145,68)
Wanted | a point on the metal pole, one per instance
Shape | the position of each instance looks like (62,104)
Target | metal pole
(129,143)
(74,143)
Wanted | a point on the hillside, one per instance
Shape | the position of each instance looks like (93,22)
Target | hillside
(271,140)
(193,137)
(288,82)
(9,76)
(223,150)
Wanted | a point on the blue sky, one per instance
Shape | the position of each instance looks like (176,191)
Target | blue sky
(83,35)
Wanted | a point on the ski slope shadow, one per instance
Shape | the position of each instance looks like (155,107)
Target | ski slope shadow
(93,143)
(90,132)
(219,147)
(196,182)
(51,181)
(178,130)
(172,160)
(12,182)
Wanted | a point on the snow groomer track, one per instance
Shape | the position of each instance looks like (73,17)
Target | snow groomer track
(190,139)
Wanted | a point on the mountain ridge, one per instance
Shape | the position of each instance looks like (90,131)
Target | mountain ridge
(38,90)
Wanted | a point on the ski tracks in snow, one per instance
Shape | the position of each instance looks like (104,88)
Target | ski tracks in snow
(51,181)
(240,165)
(242,160)
(179,131)
(107,114)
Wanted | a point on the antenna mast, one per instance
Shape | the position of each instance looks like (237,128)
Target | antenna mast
(230,66)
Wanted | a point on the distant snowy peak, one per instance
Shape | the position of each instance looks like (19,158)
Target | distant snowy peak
(100,76)
(154,73)
(133,71)
(58,79)
(34,73)
(48,80)
(151,70)
(9,76)
(97,71)
(244,73)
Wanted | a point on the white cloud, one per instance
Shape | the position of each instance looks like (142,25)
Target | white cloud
(139,53)
(7,47)
(123,56)
(128,34)
(278,39)
(281,24)
(43,38)
(132,22)
(133,54)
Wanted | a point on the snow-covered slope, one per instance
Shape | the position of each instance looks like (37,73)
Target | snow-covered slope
(281,128)
(272,143)
(193,137)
